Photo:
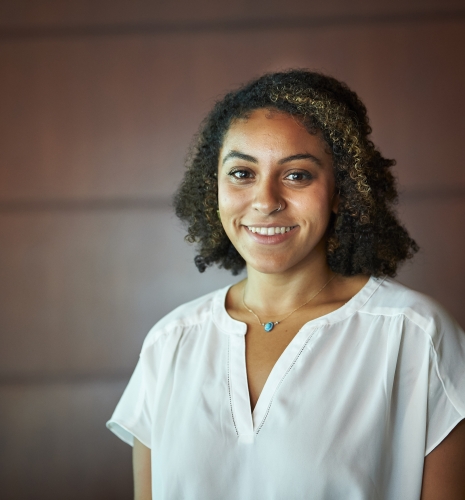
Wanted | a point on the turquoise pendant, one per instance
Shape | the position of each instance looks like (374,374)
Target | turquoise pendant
(268,326)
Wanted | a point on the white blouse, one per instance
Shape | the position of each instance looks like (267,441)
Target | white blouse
(349,410)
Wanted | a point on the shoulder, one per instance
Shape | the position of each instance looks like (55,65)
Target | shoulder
(392,298)
(185,317)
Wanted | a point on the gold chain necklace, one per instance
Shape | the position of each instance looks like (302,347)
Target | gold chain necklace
(271,324)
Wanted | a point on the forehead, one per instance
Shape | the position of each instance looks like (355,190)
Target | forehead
(271,129)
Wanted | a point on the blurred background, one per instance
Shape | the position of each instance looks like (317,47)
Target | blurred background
(99,100)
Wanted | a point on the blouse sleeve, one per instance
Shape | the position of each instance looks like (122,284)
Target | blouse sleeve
(131,418)
(446,392)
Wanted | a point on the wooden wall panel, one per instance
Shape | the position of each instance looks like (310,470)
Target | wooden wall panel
(94,118)
(112,117)
(54,444)
(56,12)
(437,225)
(80,290)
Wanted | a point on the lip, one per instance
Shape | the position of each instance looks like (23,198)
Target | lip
(270,240)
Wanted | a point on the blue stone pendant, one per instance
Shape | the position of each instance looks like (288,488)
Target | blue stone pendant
(268,326)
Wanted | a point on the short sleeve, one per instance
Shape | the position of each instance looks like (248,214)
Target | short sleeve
(131,418)
(446,391)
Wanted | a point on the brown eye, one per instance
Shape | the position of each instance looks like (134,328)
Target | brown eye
(299,176)
(240,174)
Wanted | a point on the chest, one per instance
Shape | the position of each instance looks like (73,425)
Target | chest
(320,421)
(262,351)
(243,378)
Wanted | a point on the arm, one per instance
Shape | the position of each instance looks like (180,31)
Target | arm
(444,471)
(142,471)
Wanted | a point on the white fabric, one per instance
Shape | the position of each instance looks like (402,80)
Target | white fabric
(349,411)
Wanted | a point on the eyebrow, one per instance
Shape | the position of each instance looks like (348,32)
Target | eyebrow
(301,156)
(240,156)
(251,159)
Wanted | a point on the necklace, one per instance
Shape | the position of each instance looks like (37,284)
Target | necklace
(271,324)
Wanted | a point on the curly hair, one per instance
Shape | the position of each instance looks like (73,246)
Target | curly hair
(365,236)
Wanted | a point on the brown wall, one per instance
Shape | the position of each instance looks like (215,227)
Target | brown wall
(99,100)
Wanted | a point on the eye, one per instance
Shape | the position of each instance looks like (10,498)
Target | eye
(299,176)
(240,174)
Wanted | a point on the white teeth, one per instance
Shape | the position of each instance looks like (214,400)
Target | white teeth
(269,231)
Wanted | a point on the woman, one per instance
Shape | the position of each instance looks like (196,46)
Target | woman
(318,376)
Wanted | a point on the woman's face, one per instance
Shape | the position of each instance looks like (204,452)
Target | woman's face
(276,191)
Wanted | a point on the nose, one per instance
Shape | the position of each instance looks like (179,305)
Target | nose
(267,198)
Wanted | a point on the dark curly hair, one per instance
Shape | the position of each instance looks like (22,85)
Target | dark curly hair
(365,236)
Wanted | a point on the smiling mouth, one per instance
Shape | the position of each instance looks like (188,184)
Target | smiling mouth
(270,231)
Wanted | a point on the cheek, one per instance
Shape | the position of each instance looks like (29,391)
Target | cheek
(224,201)
(230,202)
(329,198)
(315,201)
(222,196)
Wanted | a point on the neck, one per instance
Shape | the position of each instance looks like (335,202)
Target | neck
(284,291)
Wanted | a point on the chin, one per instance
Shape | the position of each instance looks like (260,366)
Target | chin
(269,265)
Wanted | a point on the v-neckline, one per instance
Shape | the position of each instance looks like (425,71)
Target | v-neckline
(248,423)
